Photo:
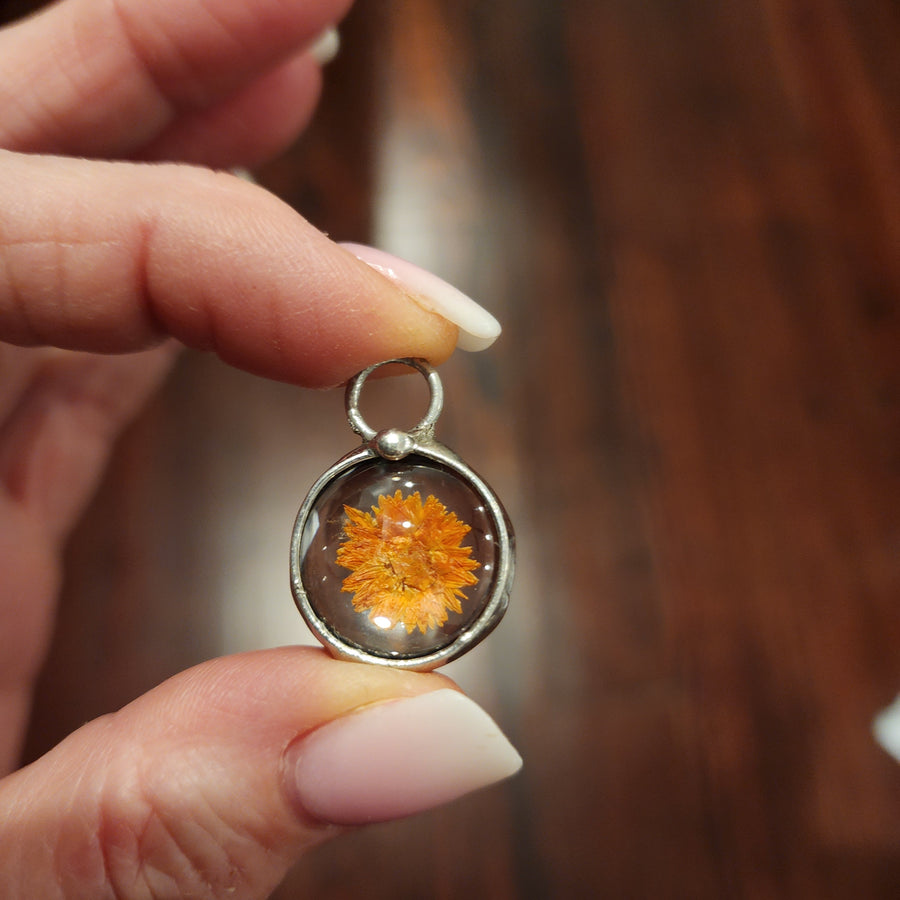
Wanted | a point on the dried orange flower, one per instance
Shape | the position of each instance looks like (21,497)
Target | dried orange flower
(405,560)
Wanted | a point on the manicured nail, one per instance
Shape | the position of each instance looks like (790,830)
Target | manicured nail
(397,758)
(325,47)
(478,329)
(886,728)
(244,174)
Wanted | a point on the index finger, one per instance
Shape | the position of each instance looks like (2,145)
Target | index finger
(112,257)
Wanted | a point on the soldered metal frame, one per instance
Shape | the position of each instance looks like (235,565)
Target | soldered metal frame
(394,445)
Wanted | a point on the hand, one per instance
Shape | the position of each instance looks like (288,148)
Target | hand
(214,782)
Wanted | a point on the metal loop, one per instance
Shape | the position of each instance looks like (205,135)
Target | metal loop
(355,386)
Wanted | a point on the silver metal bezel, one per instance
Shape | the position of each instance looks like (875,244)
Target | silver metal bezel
(422,444)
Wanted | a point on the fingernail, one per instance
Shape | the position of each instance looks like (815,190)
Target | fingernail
(325,47)
(398,758)
(478,329)
(244,174)
(886,727)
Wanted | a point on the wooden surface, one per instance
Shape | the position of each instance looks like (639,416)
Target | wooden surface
(687,216)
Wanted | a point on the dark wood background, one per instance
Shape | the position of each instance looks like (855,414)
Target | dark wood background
(687,215)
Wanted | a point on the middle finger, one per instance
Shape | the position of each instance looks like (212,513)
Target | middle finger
(106,77)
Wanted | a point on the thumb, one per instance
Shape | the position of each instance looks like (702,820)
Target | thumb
(213,784)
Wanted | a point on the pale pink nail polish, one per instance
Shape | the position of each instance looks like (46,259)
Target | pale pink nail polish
(326,46)
(478,329)
(397,758)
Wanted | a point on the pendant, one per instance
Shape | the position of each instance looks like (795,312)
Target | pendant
(401,554)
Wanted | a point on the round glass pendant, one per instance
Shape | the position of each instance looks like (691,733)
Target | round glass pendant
(401,554)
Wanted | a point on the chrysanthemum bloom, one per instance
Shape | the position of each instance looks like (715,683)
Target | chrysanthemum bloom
(405,560)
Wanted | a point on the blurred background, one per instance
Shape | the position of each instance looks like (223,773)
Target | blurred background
(687,216)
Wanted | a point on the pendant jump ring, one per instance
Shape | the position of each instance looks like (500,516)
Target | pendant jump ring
(436,389)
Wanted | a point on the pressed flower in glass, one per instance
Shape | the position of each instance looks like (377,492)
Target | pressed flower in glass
(405,560)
